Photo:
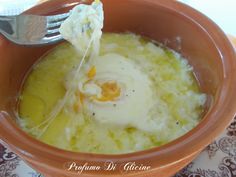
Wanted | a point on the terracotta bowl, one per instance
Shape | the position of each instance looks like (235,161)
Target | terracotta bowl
(172,23)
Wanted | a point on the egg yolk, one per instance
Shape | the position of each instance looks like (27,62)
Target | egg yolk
(92,72)
(110,91)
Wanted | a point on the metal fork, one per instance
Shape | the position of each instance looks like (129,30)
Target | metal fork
(32,29)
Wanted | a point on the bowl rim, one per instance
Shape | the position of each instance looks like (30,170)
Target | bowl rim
(191,142)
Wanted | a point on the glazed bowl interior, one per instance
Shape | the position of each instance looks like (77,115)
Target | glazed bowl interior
(170,23)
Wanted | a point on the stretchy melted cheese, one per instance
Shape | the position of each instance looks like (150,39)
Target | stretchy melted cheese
(84,26)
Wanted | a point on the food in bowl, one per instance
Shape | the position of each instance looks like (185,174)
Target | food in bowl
(131,93)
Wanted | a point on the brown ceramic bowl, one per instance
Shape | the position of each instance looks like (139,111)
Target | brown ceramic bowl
(201,41)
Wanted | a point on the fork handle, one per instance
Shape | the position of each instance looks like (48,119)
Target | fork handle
(6,23)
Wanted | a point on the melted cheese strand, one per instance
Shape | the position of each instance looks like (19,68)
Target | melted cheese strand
(94,40)
(59,106)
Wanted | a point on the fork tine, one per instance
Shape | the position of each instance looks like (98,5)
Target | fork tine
(56,37)
(56,18)
(53,25)
(52,31)
(51,39)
